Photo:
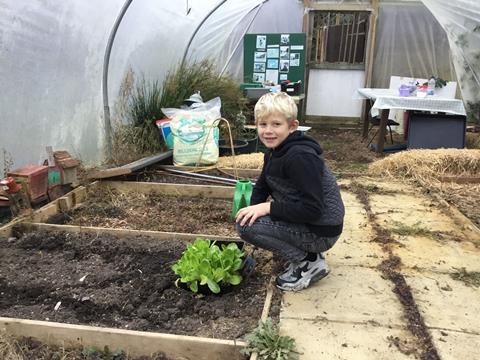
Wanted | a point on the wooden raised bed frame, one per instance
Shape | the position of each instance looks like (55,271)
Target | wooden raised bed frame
(134,343)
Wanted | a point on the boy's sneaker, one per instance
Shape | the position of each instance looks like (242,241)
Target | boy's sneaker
(300,275)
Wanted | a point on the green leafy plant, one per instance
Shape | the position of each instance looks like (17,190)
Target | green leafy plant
(439,82)
(92,353)
(266,341)
(205,263)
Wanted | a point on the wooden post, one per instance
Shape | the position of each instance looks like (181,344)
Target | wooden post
(365,111)
(383,129)
(307,27)
(371,43)
(369,53)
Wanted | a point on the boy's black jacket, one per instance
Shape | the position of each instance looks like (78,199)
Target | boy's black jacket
(301,185)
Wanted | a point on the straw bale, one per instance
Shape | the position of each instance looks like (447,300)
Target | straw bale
(427,166)
(245,161)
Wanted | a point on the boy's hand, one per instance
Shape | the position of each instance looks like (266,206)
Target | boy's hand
(251,213)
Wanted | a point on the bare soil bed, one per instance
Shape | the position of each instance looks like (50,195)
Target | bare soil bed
(156,175)
(24,348)
(126,283)
(113,209)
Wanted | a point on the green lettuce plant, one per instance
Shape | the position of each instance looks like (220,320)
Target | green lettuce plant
(205,263)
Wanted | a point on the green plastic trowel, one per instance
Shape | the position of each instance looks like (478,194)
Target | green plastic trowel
(241,197)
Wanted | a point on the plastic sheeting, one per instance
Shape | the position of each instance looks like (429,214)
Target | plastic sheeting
(228,25)
(52,57)
(411,43)
(51,67)
(461,21)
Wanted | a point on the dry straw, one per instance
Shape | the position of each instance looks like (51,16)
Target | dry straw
(429,166)
(245,161)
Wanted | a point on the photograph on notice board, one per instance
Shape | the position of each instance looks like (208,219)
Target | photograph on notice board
(259,67)
(258,77)
(272,76)
(260,56)
(273,52)
(261,41)
(272,64)
(283,77)
(294,59)
(284,66)
(284,39)
(284,53)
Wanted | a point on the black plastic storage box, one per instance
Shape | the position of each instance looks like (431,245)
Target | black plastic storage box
(292,89)
(434,131)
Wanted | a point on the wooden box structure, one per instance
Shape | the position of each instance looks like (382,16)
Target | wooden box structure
(68,167)
(134,343)
(35,180)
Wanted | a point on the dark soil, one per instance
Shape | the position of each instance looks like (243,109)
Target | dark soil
(159,176)
(112,209)
(127,283)
(344,149)
(28,349)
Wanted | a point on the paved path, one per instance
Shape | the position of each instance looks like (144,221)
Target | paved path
(354,314)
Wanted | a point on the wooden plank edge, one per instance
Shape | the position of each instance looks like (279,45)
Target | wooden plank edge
(134,343)
(67,202)
(462,220)
(7,229)
(131,167)
(71,199)
(212,191)
(460,179)
(242,173)
(266,308)
(158,235)
(149,160)
(108,173)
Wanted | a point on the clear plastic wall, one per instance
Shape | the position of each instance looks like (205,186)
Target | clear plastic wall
(51,70)
(52,53)
(461,21)
(409,42)
(52,56)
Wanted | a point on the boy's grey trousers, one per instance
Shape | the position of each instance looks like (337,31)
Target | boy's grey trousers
(290,240)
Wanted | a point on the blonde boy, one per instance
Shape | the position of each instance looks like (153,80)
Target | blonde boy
(305,215)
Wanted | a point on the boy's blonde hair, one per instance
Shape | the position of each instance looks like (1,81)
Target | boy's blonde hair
(275,103)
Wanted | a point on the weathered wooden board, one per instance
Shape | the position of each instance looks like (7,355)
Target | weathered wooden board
(129,168)
(212,191)
(156,235)
(135,343)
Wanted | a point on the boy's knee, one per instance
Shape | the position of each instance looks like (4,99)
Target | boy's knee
(241,230)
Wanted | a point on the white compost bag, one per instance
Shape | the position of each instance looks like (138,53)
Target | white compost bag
(195,133)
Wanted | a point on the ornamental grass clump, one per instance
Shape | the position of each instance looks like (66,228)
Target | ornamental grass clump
(140,104)
(205,263)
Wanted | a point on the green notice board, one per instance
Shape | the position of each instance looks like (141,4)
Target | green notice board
(274,57)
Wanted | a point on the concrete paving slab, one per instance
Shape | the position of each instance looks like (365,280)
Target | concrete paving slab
(317,340)
(351,313)
(437,255)
(350,201)
(400,201)
(446,303)
(355,220)
(428,220)
(355,248)
(452,345)
(347,294)
(388,185)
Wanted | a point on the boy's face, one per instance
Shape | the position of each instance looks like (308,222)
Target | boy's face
(274,129)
